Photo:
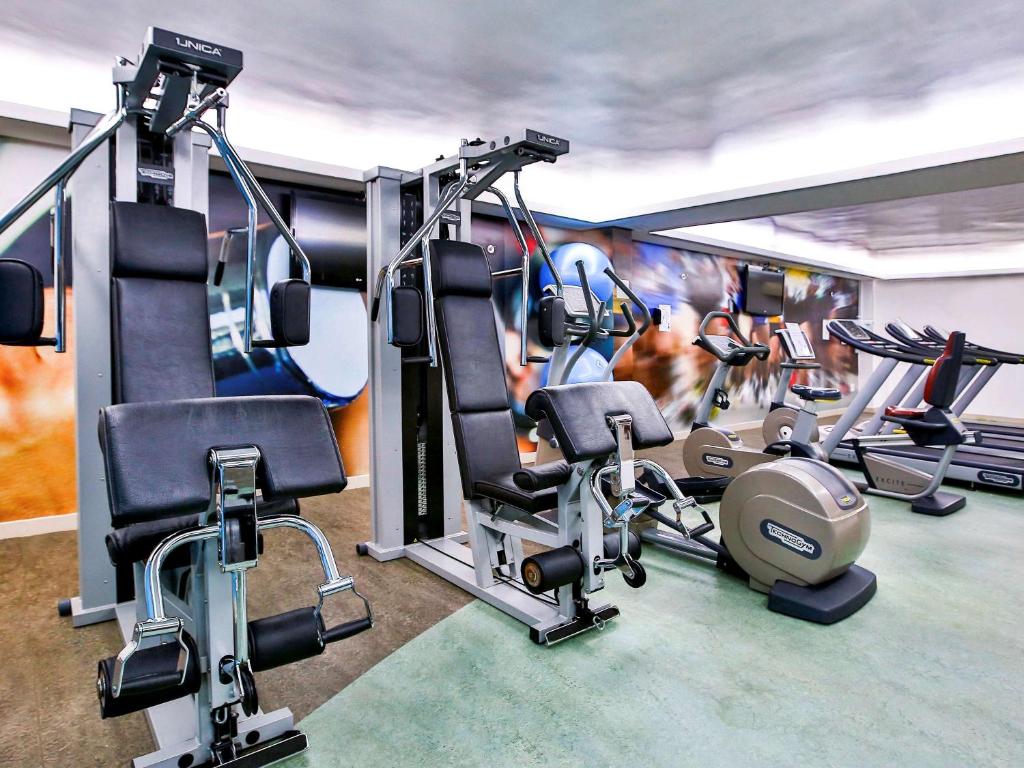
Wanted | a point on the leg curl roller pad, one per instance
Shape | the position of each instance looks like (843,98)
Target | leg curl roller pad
(294,636)
(285,638)
(552,569)
(152,678)
(611,546)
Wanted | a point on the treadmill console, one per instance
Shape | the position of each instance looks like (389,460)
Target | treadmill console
(907,331)
(795,342)
(851,328)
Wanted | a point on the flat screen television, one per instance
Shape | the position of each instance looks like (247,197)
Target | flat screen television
(762,290)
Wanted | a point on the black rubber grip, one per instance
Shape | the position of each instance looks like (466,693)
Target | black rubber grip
(347,629)
(218,273)
(375,308)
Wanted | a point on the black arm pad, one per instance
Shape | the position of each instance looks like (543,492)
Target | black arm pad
(578,415)
(541,476)
(155,453)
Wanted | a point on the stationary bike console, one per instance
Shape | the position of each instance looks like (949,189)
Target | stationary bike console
(732,351)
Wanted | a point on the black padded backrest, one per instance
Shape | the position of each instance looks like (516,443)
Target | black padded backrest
(467,338)
(21,302)
(940,386)
(577,414)
(156,453)
(160,330)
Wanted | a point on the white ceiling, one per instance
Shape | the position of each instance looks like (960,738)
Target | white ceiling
(661,99)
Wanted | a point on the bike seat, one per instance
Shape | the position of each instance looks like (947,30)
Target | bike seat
(815,393)
(905,413)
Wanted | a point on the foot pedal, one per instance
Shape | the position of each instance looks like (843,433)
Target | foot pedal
(291,743)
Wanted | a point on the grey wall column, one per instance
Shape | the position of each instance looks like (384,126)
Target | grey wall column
(383,214)
(90,254)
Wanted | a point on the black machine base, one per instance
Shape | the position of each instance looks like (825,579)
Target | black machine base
(580,624)
(939,504)
(825,603)
(291,743)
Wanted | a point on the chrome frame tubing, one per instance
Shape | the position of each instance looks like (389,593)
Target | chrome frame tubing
(386,281)
(102,131)
(57,180)
(59,279)
(255,198)
(535,231)
(524,248)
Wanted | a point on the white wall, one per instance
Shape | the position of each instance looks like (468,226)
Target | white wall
(990,310)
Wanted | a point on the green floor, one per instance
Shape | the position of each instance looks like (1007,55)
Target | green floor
(697,672)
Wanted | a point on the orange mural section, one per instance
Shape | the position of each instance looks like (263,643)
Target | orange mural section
(37,427)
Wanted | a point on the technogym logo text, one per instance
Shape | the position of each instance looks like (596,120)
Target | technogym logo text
(717,461)
(997,478)
(803,545)
(198,45)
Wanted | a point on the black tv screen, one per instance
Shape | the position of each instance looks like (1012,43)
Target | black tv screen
(332,232)
(763,291)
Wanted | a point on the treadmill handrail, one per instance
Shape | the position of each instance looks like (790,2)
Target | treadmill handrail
(879,345)
(1010,358)
(928,346)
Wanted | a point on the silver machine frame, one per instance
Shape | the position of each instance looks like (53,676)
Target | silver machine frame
(488,568)
(182,728)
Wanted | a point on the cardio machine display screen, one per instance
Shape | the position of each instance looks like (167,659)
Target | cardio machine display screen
(763,291)
(797,344)
(853,330)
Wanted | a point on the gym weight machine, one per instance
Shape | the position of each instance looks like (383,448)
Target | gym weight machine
(437,309)
(188,522)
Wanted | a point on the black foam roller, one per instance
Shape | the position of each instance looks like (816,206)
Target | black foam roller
(285,638)
(151,678)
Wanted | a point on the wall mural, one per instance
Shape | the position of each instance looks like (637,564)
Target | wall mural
(667,363)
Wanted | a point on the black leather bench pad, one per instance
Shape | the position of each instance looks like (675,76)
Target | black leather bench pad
(578,412)
(156,453)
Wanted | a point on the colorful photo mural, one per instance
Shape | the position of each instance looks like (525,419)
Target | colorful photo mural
(687,285)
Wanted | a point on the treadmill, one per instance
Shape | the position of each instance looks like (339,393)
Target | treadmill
(993,471)
(1007,431)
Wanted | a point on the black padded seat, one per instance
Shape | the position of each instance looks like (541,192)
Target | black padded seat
(160,330)
(299,453)
(502,488)
(578,412)
(485,436)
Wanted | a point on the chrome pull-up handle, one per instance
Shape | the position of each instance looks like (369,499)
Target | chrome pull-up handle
(524,309)
(57,181)
(255,198)
(386,277)
(59,273)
